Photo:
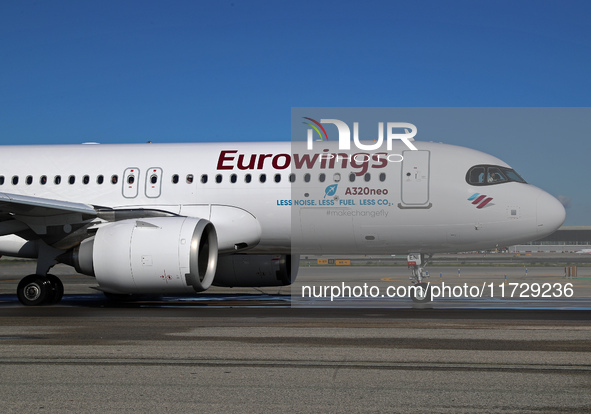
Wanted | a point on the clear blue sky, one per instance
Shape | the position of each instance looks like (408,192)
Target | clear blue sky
(133,71)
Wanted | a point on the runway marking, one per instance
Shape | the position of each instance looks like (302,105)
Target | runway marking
(394,279)
(362,365)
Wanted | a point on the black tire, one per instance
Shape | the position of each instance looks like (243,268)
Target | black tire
(422,293)
(34,290)
(57,288)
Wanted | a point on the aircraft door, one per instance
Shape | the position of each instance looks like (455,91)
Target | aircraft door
(415,178)
(130,182)
(153,182)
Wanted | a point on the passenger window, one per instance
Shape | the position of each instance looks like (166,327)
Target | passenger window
(263,178)
(307,177)
(1,180)
(114,179)
(85,179)
(14,179)
(29,180)
(352,177)
(175,179)
(292,178)
(247,178)
(277,178)
(233,178)
(204,179)
(190,178)
(100,179)
(218,178)
(43,180)
(130,179)
(367,177)
(336,177)
(322,177)
(153,179)
(71,179)
(57,180)
(382,176)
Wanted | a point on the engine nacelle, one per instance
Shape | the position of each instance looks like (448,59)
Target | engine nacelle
(151,255)
(244,270)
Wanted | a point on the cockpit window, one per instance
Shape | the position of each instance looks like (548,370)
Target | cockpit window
(513,176)
(491,174)
(476,175)
(494,175)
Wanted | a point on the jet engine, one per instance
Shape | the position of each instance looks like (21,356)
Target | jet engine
(151,255)
(243,270)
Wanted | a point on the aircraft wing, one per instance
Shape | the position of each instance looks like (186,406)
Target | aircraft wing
(39,213)
(20,205)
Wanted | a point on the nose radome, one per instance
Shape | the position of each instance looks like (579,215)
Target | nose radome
(550,214)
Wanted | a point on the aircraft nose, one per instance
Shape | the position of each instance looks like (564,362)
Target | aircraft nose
(550,214)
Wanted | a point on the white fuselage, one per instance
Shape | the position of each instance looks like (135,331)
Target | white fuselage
(421,204)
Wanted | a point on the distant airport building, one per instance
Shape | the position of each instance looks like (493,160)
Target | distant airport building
(567,239)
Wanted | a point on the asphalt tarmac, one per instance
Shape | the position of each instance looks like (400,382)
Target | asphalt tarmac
(252,351)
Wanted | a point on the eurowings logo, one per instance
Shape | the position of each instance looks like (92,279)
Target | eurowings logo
(481,200)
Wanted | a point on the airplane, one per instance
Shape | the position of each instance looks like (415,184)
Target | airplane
(178,218)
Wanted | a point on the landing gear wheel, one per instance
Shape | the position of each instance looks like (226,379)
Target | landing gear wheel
(422,293)
(57,288)
(34,290)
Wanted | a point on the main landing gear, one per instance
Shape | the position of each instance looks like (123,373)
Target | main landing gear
(35,290)
(422,290)
(42,288)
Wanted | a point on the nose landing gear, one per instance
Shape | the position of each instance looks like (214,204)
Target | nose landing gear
(422,290)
